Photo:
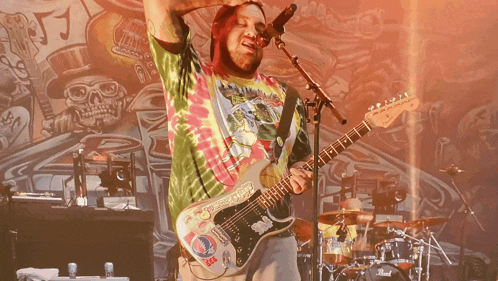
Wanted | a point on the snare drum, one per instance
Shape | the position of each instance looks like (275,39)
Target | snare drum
(335,252)
(396,251)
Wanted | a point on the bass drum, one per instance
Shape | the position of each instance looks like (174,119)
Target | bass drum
(383,272)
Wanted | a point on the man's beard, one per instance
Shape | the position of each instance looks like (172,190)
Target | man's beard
(230,63)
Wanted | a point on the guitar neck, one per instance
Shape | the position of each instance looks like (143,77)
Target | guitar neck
(39,87)
(274,194)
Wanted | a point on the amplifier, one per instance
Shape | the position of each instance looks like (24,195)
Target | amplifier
(52,236)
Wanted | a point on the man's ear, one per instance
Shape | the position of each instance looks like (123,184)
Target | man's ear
(216,31)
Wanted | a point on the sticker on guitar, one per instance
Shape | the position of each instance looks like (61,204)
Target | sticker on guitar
(243,192)
(262,226)
(203,246)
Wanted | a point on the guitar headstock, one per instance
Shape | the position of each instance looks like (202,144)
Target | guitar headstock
(384,116)
(17,27)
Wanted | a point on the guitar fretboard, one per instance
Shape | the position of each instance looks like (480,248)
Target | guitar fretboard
(274,194)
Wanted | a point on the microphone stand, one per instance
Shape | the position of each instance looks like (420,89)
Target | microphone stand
(320,100)
(467,211)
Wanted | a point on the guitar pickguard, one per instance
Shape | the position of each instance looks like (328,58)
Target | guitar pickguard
(240,227)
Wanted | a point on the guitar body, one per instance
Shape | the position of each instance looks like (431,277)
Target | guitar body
(221,233)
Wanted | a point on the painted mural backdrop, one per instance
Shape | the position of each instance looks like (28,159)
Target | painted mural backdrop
(79,75)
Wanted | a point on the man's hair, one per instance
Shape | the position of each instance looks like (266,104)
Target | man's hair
(223,15)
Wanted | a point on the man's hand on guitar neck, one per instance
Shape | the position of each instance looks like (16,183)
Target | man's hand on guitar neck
(300,179)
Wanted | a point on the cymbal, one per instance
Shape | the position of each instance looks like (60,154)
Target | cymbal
(422,223)
(395,224)
(303,229)
(349,217)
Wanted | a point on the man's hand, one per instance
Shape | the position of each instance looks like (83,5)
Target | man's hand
(300,179)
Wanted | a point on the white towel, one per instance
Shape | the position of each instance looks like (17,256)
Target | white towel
(37,274)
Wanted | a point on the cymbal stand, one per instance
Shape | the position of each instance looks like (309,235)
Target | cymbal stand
(427,273)
(418,269)
(320,255)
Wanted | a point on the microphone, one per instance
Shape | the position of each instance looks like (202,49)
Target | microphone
(276,28)
(452,170)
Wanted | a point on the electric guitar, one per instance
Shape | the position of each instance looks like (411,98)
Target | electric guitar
(17,28)
(221,233)
(119,43)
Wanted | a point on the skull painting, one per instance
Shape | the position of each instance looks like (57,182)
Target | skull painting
(97,100)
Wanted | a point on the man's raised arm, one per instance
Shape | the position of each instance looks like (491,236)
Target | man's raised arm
(163,16)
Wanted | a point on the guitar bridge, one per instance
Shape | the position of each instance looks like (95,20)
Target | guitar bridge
(221,235)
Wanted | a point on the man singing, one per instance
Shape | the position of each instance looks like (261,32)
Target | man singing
(223,117)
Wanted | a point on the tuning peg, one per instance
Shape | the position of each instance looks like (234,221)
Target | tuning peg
(378,105)
(371,108)
(393,100)
(406,94)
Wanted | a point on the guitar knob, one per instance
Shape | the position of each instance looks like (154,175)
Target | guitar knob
(226,259)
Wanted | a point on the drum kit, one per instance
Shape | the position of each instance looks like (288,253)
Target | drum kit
(403,256)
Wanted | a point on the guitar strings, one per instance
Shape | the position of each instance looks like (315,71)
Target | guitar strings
(253,205)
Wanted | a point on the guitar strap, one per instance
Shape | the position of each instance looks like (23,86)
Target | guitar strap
(285,122)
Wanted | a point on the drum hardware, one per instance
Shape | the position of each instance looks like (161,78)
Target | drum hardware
(334,252)
(422,243)
(394,257)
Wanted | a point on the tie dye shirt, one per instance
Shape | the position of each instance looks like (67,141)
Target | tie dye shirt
(219,126)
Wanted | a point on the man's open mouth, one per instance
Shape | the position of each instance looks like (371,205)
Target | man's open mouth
(251,46)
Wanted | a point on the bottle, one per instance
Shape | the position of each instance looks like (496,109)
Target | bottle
(109,269)
(72,268)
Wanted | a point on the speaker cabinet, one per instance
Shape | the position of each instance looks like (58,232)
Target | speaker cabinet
(42,236)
